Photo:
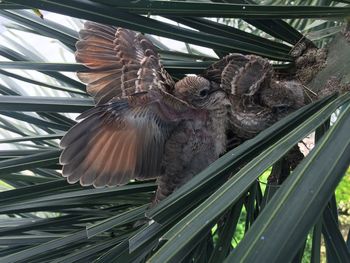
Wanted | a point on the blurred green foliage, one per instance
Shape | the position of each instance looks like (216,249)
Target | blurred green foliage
(342,193)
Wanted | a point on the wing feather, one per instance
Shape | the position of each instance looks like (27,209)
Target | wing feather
(121,140)
(120,62)
(240,75)
(257,99)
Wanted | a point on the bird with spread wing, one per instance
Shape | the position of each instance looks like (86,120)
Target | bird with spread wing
(145,125)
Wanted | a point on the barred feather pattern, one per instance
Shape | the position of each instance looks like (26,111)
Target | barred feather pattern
(121,62)
(257,99)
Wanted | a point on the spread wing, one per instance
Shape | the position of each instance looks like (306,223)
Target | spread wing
(121,62)
(240,75)
(121,140)
(257,99)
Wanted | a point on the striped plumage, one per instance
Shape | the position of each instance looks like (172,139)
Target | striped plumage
(258,100)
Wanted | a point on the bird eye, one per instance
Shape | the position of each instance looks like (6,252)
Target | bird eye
(204,93)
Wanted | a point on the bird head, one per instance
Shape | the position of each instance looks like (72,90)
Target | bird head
(200,92)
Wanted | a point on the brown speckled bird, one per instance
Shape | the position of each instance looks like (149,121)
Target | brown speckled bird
(257,98)
(145,125)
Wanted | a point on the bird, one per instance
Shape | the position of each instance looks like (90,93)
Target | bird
(144,125)
(258,98)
